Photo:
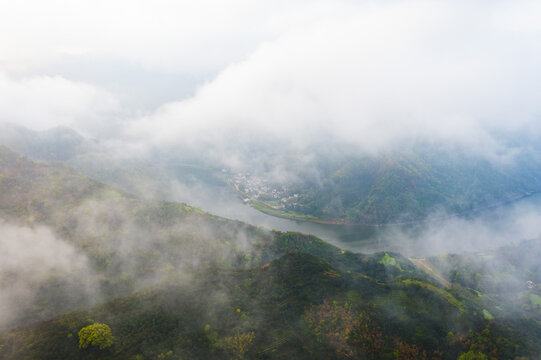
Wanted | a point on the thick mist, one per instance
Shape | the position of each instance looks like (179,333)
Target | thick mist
(309,84)
(172,177)
(305,74)
(108,247)
(171,142)
(37,266)
(443,233)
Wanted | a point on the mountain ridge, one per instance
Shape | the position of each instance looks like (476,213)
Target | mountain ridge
(180,283)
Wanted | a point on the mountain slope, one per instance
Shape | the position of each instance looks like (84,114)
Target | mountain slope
(409,185)
(298,306)
(125,242)
(174,282)
(326,183)
(119,242)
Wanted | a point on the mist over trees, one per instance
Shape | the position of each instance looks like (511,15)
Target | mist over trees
(270,180)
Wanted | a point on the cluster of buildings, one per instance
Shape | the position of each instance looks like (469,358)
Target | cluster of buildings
(251,187)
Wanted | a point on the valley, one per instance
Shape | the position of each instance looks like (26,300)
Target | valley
(270,180)
(151,264)
(213,189)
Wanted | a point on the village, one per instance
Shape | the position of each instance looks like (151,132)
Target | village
(251,187)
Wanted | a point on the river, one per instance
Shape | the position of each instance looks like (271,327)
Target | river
(481,231)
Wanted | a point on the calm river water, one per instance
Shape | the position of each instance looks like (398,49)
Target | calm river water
(488,229)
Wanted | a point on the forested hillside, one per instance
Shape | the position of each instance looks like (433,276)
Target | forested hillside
(170,281)
(410,184)
(337,184)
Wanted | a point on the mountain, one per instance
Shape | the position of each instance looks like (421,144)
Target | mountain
(126,242)
(399,186)
(298,306)
(328,184)
(56,144)
(149,176)
(171,281)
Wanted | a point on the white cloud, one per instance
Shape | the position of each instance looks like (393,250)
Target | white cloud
(442,233)
(372,76)
(29,258)
(370,73)
(44,101)
(162,35)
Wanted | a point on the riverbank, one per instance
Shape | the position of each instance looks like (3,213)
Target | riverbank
(291,215)
(268,210)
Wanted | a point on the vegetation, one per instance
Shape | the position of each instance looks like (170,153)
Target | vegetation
(337,185)
(98,335)
(261,206)
(297,306)
(406,186)
(237,345)
(177,283)
(473,355)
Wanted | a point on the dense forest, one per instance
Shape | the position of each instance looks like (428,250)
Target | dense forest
(165,280)
(241,180)
(409,184)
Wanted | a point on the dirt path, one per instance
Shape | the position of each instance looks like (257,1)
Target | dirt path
(422,264)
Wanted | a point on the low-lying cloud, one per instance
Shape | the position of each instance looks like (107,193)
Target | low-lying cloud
(289,77)
(302,73)
(442,233)
(373,77)
(41,101)
(31,260)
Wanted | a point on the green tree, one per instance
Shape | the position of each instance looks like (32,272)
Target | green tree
(473,355)
(98,335)
(332,324)
(237,345)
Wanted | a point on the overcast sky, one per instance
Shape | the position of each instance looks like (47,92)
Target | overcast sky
(365,72)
